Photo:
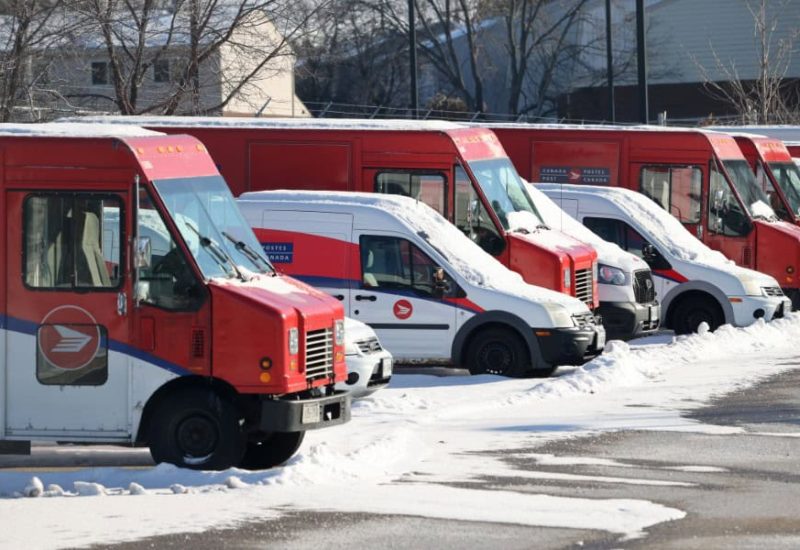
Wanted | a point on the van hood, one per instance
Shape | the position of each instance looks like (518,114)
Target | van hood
(732,279)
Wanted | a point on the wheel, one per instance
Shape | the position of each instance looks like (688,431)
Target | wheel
(272,451)
(197,429)
(498,351)
(693,310)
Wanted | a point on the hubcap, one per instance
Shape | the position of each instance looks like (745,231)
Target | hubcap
(496,358)
(197,436)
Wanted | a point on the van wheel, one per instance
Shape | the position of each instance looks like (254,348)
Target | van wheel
(693,310)
(498,351)
(197,429)
(271,451)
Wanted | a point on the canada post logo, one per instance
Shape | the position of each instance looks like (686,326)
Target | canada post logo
(69,338)
(566,174)
(279,253)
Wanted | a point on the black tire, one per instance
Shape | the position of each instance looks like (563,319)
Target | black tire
(197,429)
(693,310)
(498,351)
(272,451)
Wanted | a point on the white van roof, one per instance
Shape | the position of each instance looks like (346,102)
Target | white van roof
(272,123)
(407,215)
(662,229)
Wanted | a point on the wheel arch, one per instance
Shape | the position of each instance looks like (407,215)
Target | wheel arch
(695,288)
(496,319)
(220,387)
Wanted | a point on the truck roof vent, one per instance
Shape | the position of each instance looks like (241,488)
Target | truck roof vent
(198,343)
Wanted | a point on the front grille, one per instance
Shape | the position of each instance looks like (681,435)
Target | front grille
(370,345)
(584,319)
(319,354)
(643,288)
(583,286)
(772,291)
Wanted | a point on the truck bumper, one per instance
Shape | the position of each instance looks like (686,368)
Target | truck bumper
(569,346)
(305,414)
(626,320)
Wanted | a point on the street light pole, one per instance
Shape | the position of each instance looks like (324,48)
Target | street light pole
(641,59)
(609,64)
(412,58)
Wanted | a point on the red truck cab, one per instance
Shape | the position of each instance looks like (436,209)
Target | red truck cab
(701,177)
(461,172)
(139,309)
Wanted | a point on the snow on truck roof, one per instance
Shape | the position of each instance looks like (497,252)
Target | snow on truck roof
(601,127)
(52,129)
(274,123)
(663,229)
(466,257)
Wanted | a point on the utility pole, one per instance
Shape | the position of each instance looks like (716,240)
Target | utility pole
(641,61)
(412,58)
(609,64)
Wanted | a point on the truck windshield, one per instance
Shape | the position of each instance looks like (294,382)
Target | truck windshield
(754,198)
(506,194)
(788,177)
(212,226)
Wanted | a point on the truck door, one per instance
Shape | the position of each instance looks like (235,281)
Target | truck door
(729,227)
(397,297)
(67,321)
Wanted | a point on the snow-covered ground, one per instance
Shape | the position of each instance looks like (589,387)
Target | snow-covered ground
(407,444)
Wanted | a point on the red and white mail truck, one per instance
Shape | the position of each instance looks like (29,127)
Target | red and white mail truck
(699,176)
(461,172)
(138,308)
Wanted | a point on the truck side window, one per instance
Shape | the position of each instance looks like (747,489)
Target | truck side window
(725,214)
(428,188)
(774,200)
(392,263)
(472,218)
(169,282)
(72,240)
(676,189)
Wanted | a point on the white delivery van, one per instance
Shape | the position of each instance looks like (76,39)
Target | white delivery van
(431,293)
(369,365)
(694,283)
(628,303)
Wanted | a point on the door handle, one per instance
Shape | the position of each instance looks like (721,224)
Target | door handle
(122,304)
(339,297)
(370,298)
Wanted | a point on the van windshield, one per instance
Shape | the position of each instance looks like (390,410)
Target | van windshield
(506,194)
(219,238)
(788,177)
(754,198)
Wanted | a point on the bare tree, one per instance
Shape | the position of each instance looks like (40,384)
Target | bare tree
(769,97)
(27,29)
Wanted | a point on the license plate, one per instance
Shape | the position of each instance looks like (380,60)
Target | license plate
(601,339)
(386,366)
(655,313)
(310,413)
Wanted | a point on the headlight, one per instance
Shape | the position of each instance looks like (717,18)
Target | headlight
(752,287)
(559,316)
(338,332)
(608,275)
(294,341)
(567,278)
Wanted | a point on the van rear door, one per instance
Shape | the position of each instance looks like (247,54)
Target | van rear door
(397,296)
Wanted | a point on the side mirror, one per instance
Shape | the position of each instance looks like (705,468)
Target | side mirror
(142,254)
(649,252)
(441,285)
(719,199)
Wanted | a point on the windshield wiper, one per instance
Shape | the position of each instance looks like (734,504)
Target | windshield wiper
(216,252)
(251,254)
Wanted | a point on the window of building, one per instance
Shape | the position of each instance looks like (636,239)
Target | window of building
(161,70)
(100,73)
(428,188)
(677,189)
(392,263)
(72,241)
